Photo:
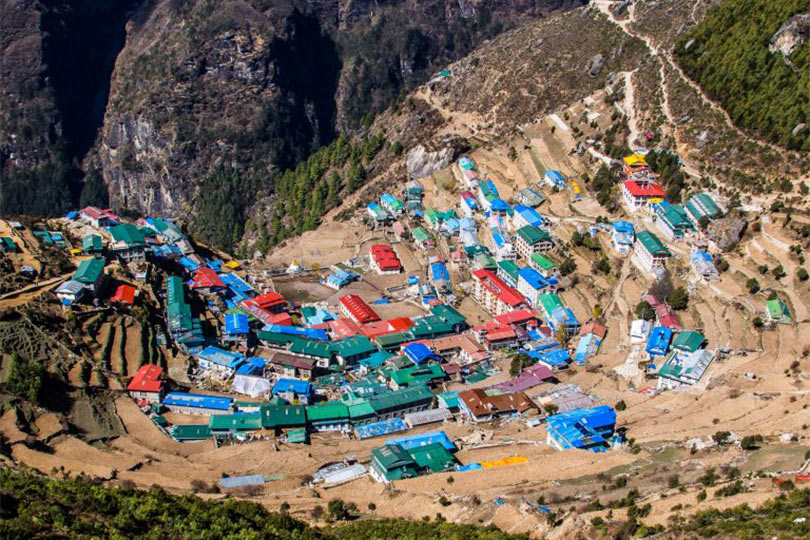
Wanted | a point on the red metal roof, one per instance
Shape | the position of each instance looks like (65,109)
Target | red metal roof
(268,300)
(644,189)
(124,294)
(499,288)
(517,317)
(146,379)
(207,278)
(281,319)
(385,257)
(359,310)
(595,328)
(343,327)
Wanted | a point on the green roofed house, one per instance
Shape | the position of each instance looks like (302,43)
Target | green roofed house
(777,312)
(672,221)
(128,243)
(8,245)
(321,351)
(392,342)
(508,271)
(430,326)
(650,253)
(400,402)
(392,462)
(451,316)
(360,411)
(233,424)
(415,375)
(422,238)
(530,240)
(351,350)
(183,433)
(283,416)
(184,328)
(688,341)
(544,265)
(702,205)
(550,303)
(90,274)
(91,243)
(329,416)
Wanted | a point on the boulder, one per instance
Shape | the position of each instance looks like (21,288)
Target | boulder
(726,232)
(421,162)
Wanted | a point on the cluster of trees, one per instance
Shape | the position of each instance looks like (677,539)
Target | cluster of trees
(24,378)
(306,193)
(668,167)
(36,507)
(728,55)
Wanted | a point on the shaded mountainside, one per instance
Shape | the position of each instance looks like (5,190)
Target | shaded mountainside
(752,56)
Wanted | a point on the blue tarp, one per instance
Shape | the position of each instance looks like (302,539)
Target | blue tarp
(413,441)
(583,428)
(439,272)
(378,429)
(201,401)
(236,324)
(297,386)
(238,481)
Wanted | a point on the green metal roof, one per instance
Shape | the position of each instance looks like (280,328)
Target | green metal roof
(392,340)
(675,217)
(430,325)
(550,302)
(235,422)
(277,416)
(778,310)
(89,270)
(688,340)
(532,235)
(353,346)
(400,399)
(92,242)
(433,456)
(359,409)
(420,234)
(652,243)
(417,375)
(297,436)
(542,262)
(127,233)
(448,314)
(311,347)
(510,267)
(327,412)
(190,432)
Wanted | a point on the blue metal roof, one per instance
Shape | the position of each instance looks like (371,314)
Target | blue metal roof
(498,205)
(531,215)
(623,226)
(312,333)
(413,441)
(236,323)
(658,342)
(292,385)
(189,264)
(236,284)
(556,177)
(182,399)
(533,278)
(583,428)
(418,353)
(221,357)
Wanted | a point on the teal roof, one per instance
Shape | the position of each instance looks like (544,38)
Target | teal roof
(89,271)
(652,243)
(532,235)
(91,242)
(328,412)
(448,314)
(353,346)
(510,267)
(128,234)
(688,340)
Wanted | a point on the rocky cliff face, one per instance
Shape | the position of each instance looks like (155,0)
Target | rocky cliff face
(258,85)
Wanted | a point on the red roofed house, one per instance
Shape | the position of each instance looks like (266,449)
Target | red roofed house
(97,216)
(638,194)
(384,260)
(599,330)
(461,346)
(522,317)
(355,308)
(124,294)
(344,327)
(272,302)
(147,385)
(206,281)
(281,319)
(496,336)
(494,294)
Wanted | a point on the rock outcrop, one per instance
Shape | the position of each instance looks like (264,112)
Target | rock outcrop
(727,231)
(420,162)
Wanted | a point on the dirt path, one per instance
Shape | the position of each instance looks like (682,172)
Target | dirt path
(630,109)
(133,349)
